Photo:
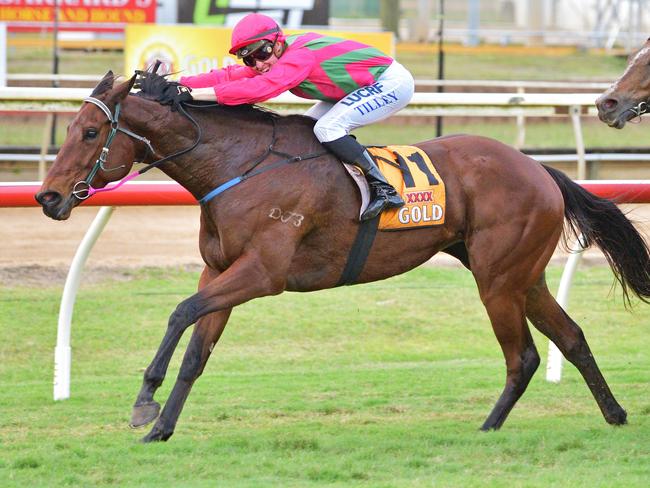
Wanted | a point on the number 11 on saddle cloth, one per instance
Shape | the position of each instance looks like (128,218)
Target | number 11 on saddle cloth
(415,178)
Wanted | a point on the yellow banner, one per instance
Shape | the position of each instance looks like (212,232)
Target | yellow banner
(190,50)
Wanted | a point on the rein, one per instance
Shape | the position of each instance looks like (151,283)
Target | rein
(88,191)
(249,173)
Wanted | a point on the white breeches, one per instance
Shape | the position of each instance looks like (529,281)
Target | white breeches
(391,92)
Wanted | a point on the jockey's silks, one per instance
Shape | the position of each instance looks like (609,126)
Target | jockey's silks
(312,66)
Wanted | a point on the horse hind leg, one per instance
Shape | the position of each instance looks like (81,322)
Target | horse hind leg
(507,317)
(506,264)
(550,319)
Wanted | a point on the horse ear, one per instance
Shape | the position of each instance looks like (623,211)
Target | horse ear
(123,89)
(104,85)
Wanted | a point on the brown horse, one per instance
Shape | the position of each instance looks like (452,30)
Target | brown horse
(629,96)
(505,215)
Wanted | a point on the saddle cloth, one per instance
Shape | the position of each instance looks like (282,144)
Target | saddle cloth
(415,178)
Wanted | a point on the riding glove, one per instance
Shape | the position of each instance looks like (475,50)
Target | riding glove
(174,94)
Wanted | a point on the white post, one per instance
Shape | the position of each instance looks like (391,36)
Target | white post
(554,360)
(574,110)
(45,144)
(521,125)
(3,54)
(62,352)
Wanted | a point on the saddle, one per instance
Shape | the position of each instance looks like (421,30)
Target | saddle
(413,175)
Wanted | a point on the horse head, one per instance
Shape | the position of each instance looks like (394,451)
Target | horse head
(629,96)
(84,157)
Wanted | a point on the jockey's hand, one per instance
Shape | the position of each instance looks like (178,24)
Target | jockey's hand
(174,94)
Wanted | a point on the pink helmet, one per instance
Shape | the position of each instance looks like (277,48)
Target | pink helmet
(254,28)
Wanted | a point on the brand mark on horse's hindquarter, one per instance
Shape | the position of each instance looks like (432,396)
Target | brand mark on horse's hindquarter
(285,217)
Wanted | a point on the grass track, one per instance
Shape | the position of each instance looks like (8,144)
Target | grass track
(380,385)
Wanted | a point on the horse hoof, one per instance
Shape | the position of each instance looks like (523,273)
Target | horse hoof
(156,435)
(144,413)
(617,418)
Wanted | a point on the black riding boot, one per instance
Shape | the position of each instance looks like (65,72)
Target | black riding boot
(383,194)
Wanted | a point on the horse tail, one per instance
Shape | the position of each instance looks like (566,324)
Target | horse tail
(601,222)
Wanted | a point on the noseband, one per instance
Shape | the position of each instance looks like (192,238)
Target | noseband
(639,109)
(86,189)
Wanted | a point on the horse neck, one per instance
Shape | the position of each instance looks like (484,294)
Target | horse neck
(228,143)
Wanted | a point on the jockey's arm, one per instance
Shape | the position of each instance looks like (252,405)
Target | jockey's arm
(288,72)
(204,94)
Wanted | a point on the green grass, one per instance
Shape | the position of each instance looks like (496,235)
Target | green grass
(380,385)
(538,134)
(481,65)
(477,65)
(40,60)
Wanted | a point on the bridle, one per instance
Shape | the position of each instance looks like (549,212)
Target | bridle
(640,109)
(88,191)
(253,169)
(83,193)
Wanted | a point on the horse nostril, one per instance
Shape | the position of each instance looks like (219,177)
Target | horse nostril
(48,198)
(609,104)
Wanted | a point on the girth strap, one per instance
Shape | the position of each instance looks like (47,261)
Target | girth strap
(359,251)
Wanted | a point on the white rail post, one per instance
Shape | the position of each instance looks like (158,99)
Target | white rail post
(554,359)
(521,124)
(63,352)
(45,144)
(574,110)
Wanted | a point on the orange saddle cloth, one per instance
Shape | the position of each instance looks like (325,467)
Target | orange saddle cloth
(415,178)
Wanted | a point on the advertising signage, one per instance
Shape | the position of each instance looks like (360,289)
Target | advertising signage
(291,14)
(190,50)
(78,14)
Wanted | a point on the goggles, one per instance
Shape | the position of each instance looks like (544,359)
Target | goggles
(257,53)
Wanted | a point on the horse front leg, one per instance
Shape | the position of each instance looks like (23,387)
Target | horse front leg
(249,277)
(205,336)
(146,409)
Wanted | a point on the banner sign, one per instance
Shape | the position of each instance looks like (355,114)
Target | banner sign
(189,50)
(75,12)
(289,13)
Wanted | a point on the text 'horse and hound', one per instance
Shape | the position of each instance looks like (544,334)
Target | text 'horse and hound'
(504,217)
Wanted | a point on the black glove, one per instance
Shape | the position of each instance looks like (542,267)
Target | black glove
(174,94)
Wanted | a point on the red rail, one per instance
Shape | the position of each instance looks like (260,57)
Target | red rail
(171,193)
(132,193)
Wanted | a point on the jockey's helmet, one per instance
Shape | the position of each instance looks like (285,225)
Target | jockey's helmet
(250,32)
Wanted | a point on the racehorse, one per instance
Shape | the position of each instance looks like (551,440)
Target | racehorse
(505,216)
(629,96)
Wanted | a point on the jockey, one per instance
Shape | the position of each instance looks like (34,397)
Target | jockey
(355,84)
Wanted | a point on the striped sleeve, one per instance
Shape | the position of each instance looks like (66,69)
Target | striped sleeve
(217,76)
(288,72)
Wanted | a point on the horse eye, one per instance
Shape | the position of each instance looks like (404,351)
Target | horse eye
(90,133)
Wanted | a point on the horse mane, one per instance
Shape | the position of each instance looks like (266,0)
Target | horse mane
(152,85)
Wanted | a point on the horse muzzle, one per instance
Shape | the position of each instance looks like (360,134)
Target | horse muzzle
(54,205)
(615,112)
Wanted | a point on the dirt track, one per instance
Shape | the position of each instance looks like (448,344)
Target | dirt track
(36,249)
